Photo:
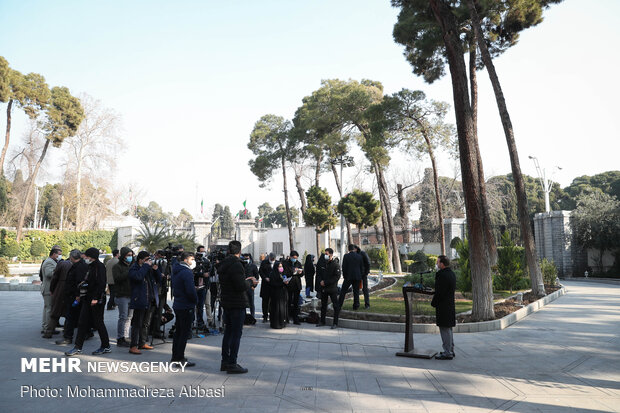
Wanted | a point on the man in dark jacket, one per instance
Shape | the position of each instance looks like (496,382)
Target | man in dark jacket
(294,271)
(141,296)
(443,301)
(329,287)
(75,275)
(366,261)
(122,296)
(185,299)
(93,299)
(234,286)
(265,291)
(352,269)
(251,270)
(59,304)
(320,273)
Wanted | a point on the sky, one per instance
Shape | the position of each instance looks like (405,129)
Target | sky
(190,78)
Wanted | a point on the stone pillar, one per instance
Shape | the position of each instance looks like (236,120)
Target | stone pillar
(243,232)
(554,241)
(454,227)
(201,230)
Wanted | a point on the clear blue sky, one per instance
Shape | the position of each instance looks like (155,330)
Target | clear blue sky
(190,79)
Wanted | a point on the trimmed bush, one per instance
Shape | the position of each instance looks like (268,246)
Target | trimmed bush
(379,258)
(4,267)
(549,271)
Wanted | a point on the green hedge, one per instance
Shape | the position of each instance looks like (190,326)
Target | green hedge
(35,241)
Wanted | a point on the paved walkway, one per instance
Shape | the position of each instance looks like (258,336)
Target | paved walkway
(564,358)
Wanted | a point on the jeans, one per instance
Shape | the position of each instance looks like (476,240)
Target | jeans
(250,294)
(447,340)
(182,331)
(200,305)
(72,316)
(233,319)
(124,317)
(136,326)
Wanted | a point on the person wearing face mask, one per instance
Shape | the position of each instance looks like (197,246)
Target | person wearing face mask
(59,304)
(266,266)
(277,306)
(329,285)
(185,299)
(122,296)
(46,273)
(293,269)
(143,294)
(93,305)
(71,291)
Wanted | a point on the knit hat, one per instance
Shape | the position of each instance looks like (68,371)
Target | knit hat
(92,253)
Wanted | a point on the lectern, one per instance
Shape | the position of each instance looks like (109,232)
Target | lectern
(410,349)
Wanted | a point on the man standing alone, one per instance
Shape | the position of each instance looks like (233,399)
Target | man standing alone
(352,269)
(234,286)
(443,301)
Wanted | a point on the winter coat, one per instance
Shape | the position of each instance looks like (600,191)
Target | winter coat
(321,264)
(108,270)
(57,288)
(443,300)
(233,284)
(264,272)
(366,261)
(120,273)
(141,294)
(47,271)
(75,275)
(332,275)
(352,266)
(289,270)
(183,289)
(97,281)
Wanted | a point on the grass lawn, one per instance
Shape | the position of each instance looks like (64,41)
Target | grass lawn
(384,302)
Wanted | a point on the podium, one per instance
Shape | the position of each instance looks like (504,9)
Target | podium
(410,350)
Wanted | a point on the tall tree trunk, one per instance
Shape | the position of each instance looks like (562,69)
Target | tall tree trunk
(386,238)
(302,194)
(442,232)
(522,208)
(317,170)
(339,185)
(482,288)
(33,177)
(473,80)
(387,208)
(402,212)
(289,221)
(318,243)
(359,236)
(7,136)
(78,193)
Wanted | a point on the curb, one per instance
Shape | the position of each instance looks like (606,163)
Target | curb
(492,325)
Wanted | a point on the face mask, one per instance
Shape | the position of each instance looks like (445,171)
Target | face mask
(327,257)
(88,261)
(293,260)
(129,258)
(437,267)
(59,257)
(192,265)
(281,269)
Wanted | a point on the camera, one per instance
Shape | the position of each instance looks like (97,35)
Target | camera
(202,266)
(83,286)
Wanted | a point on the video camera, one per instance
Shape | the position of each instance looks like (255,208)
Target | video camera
(203,265)
(171,251)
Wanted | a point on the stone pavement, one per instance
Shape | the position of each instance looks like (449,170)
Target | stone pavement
(563,358)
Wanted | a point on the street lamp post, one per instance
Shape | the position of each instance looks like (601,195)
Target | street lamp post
(544,182)
(342,160)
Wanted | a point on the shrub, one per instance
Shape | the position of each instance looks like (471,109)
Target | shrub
(379,258)
(463,280)
(37,249)
(4,267)
(510,263)
(427,279)
(549,271)
(10,248)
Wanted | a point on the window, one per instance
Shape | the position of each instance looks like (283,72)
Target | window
(277,248)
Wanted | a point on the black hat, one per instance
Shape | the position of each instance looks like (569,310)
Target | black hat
(92,253)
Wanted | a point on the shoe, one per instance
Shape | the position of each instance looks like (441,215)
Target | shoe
(297,323)
(321,325)
(225,366)
(64,341)
(73,352)
(236,369)
(334,326)
(145,347)
(188,363)
(122,342)
(134,350)
(102,350)
(47,335)
(443,356)
(367,306)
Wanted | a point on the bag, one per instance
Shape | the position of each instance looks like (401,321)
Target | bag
(249,320)
(313,317)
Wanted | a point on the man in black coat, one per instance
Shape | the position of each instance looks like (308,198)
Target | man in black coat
(294,271)
(234,286)
(75,275)
(329,287)
(443,301)
(265,289)
(366,261)
(352,269)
